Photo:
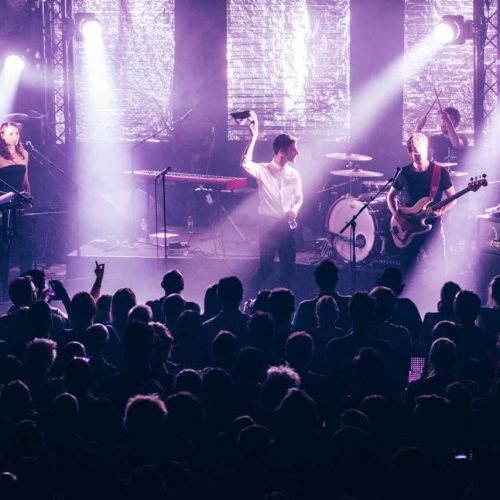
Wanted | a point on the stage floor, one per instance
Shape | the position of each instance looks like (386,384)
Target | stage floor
(203,258)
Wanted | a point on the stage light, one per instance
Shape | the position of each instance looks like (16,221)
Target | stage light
(453,30)
(14,63)
(87,27)
(444,33)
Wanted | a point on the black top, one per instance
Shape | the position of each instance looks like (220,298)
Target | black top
(415,185)
(441,149)
(12,175)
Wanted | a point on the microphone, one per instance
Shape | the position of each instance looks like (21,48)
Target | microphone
(164,172)
(396,175)
(30,147)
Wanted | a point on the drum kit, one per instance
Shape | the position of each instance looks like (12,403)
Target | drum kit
(372,238)
(371,223)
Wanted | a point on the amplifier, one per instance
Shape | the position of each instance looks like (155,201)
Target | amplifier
(488,234)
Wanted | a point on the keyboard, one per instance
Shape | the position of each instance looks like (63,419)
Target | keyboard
(214,181)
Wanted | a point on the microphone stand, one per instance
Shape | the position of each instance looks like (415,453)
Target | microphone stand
(352,224)
(163,174)
(163,129)
(45,161)
(169,127)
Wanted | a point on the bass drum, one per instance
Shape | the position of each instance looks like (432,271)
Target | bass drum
(373,238)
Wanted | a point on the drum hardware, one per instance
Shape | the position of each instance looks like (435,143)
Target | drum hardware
(352,170)
(357,208)
(349,157)
(446,164)
(356,172)
(456,173)
(373,184)
(494,211)
(373,236)
(332,187)
(361,240)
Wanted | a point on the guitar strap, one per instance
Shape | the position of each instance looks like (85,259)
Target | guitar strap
(436,176)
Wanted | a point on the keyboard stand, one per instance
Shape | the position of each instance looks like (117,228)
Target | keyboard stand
(213,197)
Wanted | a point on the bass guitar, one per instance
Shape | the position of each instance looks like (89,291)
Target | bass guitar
(412,221)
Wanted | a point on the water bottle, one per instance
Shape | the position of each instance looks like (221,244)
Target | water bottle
(190,225)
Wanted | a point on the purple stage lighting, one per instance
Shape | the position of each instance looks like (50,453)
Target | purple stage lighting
(453,30)
(91,29)
(87,27)
(444,33)
(14,63)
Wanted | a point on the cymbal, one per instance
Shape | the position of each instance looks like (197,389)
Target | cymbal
(373,184)
(356,172)
(446,163)
(456,173)
(348,157)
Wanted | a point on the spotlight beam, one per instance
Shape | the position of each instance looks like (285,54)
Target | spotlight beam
(377,95)
(9,82)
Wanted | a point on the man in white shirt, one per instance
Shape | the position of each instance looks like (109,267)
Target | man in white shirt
(280,194)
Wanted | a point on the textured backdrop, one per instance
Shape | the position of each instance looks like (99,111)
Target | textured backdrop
(450,70)
(289,61)
(139,39)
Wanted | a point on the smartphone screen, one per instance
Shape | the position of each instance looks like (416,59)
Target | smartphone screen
(417,364)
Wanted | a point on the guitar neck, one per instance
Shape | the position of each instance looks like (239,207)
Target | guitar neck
(449,199)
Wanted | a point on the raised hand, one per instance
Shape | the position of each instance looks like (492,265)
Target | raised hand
(99,270)
(254,124)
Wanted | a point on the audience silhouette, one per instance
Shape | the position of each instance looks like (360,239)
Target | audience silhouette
(127,400)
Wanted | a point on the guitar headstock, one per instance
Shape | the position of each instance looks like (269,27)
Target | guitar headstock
(476,182)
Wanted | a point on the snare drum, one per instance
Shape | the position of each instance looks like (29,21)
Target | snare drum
(373,238)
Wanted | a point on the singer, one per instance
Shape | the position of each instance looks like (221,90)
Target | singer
(420,179)
(280,196)
(12,152)
(14,170)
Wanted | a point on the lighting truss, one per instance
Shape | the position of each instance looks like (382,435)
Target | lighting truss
(486,63)
(59,76)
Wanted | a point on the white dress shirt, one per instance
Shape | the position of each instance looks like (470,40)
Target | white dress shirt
(280,188)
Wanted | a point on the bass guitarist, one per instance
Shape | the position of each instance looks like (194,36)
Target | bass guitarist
(422,178)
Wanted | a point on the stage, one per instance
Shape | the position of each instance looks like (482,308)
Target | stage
(203,259)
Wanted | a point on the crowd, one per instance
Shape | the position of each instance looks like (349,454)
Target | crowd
(105,398)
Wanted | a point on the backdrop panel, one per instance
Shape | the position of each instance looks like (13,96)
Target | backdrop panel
(139,43)
(289,61)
